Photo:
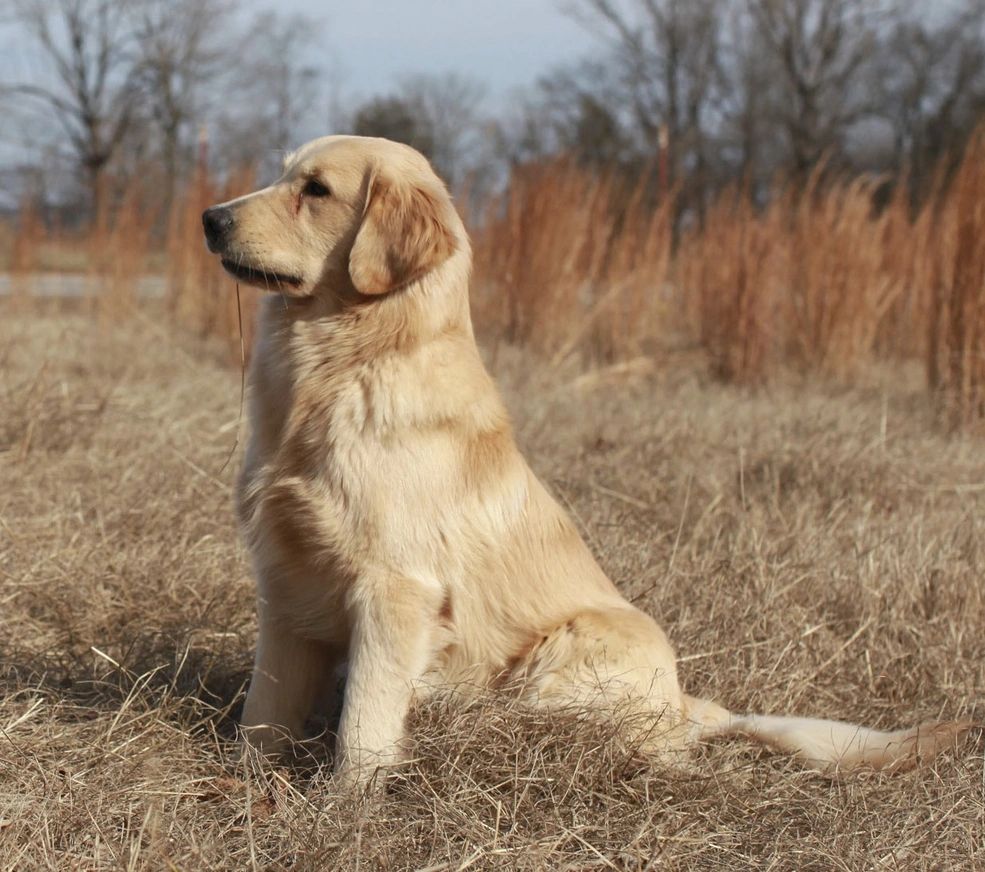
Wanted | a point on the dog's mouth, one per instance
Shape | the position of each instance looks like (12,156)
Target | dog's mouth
(263,278)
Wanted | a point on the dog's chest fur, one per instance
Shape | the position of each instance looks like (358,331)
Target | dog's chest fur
(361,461)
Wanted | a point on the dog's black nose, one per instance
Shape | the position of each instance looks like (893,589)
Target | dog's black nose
(217,221)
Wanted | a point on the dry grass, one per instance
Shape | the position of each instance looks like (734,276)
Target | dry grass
(809,549)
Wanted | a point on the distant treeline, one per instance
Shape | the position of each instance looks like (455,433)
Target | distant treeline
(697,93)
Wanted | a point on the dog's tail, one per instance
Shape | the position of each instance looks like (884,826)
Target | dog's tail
(830,744)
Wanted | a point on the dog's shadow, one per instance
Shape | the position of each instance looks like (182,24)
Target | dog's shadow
(192,680)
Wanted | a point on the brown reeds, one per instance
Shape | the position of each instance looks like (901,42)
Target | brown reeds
(200,295)
(122,247)
(955,311)
(568,261)
(803,282)
(102,266)
(29,232)
(572,262)
(724,285)
(823,280)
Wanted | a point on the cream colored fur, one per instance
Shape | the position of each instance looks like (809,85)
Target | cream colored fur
(393,524)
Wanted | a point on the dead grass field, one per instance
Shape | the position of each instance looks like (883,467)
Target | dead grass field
(811,549)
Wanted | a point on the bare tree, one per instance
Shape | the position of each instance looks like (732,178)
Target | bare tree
(182,65)
(437,115)
(92,92)
(451,104)
(271,95)
(668,60)
(580,110)
(747,127)
(817,51)
(394,117)
(930,81)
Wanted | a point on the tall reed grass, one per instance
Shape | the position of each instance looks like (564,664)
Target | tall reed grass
(104,260)
(200,295)
(809,281)
(568,261)
(955,305)
(579,263)
(24,244)
(120,246)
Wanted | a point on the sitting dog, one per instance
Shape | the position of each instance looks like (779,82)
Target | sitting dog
(393,524)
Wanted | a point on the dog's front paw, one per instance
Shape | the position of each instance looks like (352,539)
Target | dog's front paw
(267,740)
(365,770)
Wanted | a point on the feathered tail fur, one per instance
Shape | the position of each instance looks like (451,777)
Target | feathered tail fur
(830,744)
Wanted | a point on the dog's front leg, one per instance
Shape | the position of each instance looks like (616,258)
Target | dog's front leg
(289,673)
(390,649)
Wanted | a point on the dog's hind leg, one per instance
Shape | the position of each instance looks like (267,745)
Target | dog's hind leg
(611,661)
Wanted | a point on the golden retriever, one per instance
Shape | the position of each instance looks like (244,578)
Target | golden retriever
(393,524)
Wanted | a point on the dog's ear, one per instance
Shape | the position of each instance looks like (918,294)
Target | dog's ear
(404,234)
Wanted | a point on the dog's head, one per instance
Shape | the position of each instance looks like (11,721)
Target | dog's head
(349,213)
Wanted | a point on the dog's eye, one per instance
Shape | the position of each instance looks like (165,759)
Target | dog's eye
(314,188)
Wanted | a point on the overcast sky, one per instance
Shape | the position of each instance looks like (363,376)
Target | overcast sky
(502,43)
(365,47)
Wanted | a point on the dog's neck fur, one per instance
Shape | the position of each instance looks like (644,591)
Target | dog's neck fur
(313,353)
(349,327)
